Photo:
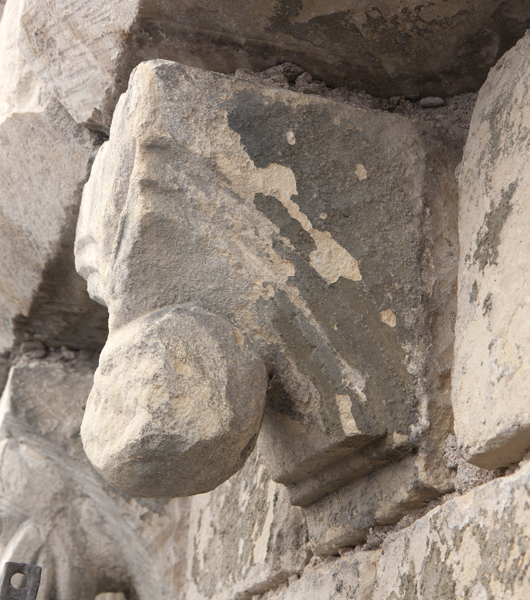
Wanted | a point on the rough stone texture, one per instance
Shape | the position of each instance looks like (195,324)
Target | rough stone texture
(475,546)
(245,537)
(44,161)
(4,372)
(174,390)
(456,111)
(344,517)
(85,50)
(213,212)
(468,476)
(352,576)
(280,272)
(57,511)
(492,365)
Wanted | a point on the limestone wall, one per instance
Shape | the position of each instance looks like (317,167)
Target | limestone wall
(263,317)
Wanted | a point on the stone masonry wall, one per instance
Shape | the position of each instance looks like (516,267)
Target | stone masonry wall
(263,316)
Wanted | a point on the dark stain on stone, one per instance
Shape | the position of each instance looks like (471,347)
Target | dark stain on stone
(487,305)
(61,312)
(474,293)
(317,361)
(351,323)
(289,227)
(437,575)
(487,252)
(382,216)
(247,450)
(279,400)
(365,217)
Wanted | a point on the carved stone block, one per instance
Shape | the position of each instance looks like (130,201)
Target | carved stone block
(491,379)
(86,50)
(352,576)
(268,259)
(57,512)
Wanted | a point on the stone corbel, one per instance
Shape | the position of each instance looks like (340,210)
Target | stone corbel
(274,265)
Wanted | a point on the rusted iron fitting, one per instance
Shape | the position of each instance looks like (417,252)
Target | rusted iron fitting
(20,581)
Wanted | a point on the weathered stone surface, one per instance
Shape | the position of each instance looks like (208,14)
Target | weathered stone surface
(86,50)
(58,512)
(492,366)
(44,161)
(474,546)
(352,576)
(344,517)
(173,390)
(245,537)
(4,372)
(213,204)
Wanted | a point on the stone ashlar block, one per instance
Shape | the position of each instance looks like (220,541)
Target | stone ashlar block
(244,537)
(86,50)
(269,260)
(491,379)
(474,546)
(44,161)
(344,517)
(346,578)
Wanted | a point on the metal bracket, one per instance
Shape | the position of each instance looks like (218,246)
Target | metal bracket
(31,586)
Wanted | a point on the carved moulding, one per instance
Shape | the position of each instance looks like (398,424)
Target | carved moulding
(55,509)
(273,264)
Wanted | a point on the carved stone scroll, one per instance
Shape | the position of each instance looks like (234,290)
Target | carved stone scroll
(268,260)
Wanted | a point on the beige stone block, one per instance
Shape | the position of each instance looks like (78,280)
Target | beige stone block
(45,158)
(474,546)
(492,360)
(350,577)
(245,537)
(85,51)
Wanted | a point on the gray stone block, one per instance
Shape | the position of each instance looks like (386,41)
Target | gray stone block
(45,158)
(86,50)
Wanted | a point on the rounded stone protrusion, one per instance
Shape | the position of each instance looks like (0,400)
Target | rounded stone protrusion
(176,406)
